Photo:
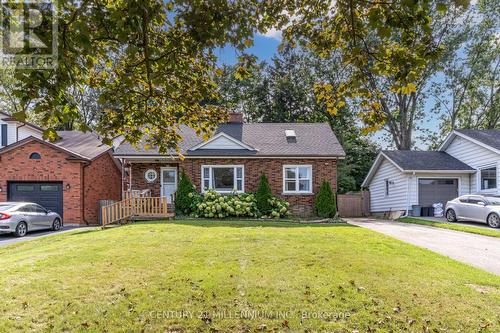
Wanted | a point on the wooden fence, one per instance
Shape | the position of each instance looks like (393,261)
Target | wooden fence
(134,207)
(354,204)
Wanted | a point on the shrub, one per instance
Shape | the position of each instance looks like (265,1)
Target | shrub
(324,202)
(264,195)
(186,194)
(215,205)
(279,207)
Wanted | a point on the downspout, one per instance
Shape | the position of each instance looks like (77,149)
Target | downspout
(408,192)
(83,192)
(17,131)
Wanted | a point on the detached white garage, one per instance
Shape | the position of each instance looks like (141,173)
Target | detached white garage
(400,179)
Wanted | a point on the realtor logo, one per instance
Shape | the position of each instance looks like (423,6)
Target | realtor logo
(28,34)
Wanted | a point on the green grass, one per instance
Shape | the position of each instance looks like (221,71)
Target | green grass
(458,227)
(186,276)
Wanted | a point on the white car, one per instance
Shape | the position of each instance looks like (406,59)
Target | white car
(476,208)
(20,217)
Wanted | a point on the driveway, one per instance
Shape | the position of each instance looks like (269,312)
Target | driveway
(476,250)
(7,239)
(443,220)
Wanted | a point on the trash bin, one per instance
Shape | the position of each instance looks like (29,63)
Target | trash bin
(438,209)
(416,210)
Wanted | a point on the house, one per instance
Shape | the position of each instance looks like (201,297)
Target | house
(68,176)
(468,162)
(296,158)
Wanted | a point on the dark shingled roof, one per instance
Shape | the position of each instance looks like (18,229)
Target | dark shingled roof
(488,137)
(313,139)
(87,145)
(425,160)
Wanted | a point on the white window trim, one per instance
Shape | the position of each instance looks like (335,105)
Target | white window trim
(478,179)
(234,166)
(310,173)
(146,175)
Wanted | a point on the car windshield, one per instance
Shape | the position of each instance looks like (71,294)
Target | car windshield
(494,201)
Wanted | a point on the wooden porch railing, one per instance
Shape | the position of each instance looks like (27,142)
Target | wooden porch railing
(137,194)
(134,207)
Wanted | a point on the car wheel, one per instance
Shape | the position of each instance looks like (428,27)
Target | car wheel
(451,216)
(56,225)
(493,220)
(21,229)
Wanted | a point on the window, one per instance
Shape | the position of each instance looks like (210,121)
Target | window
(49,188)
(488,178)
(297,179)
(150,175)
(475,200)
(35,156)
(223,178)
(25,188)
(387,187)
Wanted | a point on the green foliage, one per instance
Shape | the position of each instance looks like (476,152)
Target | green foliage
(185,195)
(324,202)
(278,208)
(282,91)
(151,62)
(215,205)
(263,195)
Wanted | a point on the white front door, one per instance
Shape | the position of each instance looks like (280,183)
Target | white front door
(168,182)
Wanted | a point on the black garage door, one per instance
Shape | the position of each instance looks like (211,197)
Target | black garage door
(47,194)
(431,191)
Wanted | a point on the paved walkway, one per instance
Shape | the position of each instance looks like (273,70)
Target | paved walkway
(476,250)
(7,239)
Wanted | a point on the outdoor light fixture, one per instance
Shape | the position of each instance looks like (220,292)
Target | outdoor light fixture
(68,186)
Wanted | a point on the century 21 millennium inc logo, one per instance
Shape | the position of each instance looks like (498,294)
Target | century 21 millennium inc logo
(28,34)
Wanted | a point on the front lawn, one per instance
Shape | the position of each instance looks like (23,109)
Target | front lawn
(188,276)
(457,227)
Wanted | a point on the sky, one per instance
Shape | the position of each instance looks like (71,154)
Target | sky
(266,46)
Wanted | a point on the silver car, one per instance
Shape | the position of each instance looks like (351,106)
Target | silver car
(475,208)
(21,217)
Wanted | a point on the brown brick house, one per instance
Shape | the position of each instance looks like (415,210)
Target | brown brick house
(296,158)
(68,176)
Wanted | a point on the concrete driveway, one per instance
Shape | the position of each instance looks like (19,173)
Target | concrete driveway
(476,250)
(7,239)
(443,220)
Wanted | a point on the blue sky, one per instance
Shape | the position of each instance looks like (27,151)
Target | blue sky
(265,47)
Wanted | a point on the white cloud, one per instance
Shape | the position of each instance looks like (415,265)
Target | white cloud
(273,33)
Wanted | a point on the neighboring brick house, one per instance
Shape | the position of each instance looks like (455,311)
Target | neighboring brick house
(296,157)
(68,176)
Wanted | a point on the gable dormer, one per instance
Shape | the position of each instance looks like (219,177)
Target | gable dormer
(222,141)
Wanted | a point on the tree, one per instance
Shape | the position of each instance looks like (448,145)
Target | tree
(393,47)
(324,203)
(151,62)
(468,96)
(183,196)
(283,91)
(263,195)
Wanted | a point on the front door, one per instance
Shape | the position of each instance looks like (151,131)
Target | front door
(168,182)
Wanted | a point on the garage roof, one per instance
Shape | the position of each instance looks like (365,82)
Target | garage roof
(411,160)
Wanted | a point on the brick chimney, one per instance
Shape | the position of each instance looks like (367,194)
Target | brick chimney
(235,118)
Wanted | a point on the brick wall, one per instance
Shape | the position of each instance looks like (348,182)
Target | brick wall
(325,169)
(102,180)
(15,165)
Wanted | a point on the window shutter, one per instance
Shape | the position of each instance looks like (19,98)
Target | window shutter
(4,135)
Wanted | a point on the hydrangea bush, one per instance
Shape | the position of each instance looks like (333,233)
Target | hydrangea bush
(215,205)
